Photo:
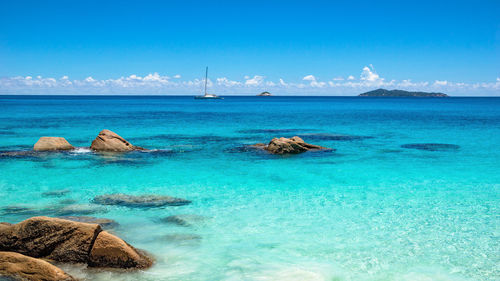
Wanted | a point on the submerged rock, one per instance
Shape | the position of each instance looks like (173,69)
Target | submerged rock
(77,209)
(184,220)
(334,137)
(111,251)
(52,143)
(67,201)
(139,201)
(432,146)
(16,266)
(103,222)
(51,238)
(292,145)
(18,210)
(182,238)
(19,154)
(266,131)
(112,142)
(55,193)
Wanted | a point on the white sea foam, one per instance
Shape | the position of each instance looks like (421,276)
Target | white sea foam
(79,150)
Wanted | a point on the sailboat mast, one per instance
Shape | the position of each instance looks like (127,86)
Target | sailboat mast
(206,76)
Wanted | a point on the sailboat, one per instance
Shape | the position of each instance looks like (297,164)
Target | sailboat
(207,95)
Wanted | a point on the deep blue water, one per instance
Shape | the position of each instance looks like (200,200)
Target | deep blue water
(411,191)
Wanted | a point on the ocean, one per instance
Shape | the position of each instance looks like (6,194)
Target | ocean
(410,192)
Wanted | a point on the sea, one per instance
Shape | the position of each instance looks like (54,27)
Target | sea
(410,189)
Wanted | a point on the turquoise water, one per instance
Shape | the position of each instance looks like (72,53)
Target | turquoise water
(371,210)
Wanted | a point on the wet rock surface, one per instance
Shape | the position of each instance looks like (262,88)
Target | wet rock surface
(109,141)
(432,146)
(139,201)
(15,266)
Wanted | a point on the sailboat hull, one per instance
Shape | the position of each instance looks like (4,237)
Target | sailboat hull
(207,98)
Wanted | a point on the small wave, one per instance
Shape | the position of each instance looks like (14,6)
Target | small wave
(155,150)
(81,150)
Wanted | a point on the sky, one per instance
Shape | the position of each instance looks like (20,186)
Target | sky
(285,47)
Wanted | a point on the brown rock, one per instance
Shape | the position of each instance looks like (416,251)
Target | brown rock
(110,141)
(51,238)
(52,143)
(111,251)
(21,267)
(292,145)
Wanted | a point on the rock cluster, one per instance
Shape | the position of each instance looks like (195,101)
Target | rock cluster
(292,145)
(64,241)
(106,140)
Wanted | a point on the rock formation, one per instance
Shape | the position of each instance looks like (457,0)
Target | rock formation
(16,266)
(292,145)
(400,93)
(67,241)
(112,142)
(52,144)
(51,238)
(111,251)
(264,94)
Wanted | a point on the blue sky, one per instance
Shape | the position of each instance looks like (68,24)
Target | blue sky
(310,46)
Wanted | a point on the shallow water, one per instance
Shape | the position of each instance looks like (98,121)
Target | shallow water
(374,209)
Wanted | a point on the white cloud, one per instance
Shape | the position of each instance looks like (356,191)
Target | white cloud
(440,83)
(226,82)
(154,83)
(255,81)
(314,83)
(338,78)
(309,78)
(369,74)
(177,76)
(283,83)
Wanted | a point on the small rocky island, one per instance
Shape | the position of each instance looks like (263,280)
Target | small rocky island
(293,145)
(264,94)
(400,93)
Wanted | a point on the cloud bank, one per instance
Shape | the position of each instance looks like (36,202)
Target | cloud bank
(156,84)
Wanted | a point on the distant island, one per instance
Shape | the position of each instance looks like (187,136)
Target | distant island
(400,93)
(264,94)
